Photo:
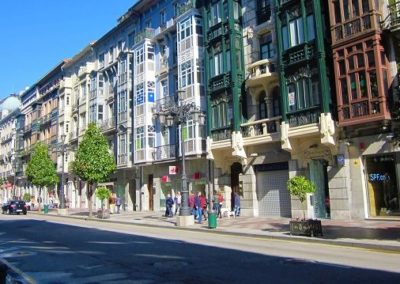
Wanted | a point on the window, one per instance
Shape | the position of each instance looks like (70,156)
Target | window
(111,54)
(262,106)
(131,39)
(185,29)
(122,144)
(100,112)
(139,140)
(122,101)
(220,114)
(186,77)
(101,60)
(218,63)
(310,27)
(164,88)
(296,33)
(303,92)
(263,11)
(163,17)
(266,47)
(215,15)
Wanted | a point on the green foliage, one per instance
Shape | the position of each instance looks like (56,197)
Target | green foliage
(26,197)
(299,186)
(93,162)
(41,170)
(103,193)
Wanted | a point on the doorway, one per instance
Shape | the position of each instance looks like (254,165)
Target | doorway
(150,188)
(321,200)
(236,169)
(383,195)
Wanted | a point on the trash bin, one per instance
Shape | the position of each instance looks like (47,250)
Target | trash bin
(46,209)
(212,220)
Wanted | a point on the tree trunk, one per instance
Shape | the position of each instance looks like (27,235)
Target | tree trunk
(39,200)
(89,194)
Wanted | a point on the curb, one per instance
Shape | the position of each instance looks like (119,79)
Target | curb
(344,243)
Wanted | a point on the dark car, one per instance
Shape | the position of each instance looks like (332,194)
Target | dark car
(14,206)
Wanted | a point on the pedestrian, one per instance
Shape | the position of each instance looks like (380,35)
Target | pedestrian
(191,204)
(237,204)
(111,200)
(203,202)
(118,203)
(169,203)
(220,202)
(197,207)
(178,201)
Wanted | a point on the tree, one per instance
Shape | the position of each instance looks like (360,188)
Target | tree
(299,186)
(93,162)
(41,170)
(102,193)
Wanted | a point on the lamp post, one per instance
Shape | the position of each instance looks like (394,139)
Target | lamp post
(62,200)
(179,114)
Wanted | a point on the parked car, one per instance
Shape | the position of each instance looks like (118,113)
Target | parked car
(14,206)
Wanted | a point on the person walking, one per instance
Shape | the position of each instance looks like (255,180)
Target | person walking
(191,204)
(203,203)
(118,203)
(237,204)
(178,201)
(220,202)
(197,206)
(169,203)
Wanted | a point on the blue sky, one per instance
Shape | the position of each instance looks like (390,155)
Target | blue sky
(38,34)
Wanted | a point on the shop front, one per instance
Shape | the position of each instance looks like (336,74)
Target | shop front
(382,185)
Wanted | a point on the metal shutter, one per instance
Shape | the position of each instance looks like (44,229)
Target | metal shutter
(272,194)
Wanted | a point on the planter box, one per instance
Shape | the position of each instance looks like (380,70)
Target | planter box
(309,227)
(103,214)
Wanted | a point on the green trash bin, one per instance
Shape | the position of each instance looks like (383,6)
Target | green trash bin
(212,220)
(46,209)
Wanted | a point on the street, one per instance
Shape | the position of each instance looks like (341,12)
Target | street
(60,250)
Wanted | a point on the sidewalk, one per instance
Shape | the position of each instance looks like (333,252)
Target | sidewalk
(371,234)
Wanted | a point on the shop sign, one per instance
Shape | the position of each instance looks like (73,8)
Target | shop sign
(173,170)
(376,177)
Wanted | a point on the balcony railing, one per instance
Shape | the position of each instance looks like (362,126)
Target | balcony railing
(261,68)
(184,7)
(297,54)
(165,152)
(219,82)
(107,124)
(145,33)
(304,117)
(261,127)
(221,134)
(122,159)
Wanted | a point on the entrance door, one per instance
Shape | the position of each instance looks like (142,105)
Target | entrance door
(151,193)
(318,176)
(236,169)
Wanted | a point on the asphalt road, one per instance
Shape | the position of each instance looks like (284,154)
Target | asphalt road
(53,250)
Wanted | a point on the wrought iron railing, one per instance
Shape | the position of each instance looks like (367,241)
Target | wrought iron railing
(165,152)
(221,134)
(304,117)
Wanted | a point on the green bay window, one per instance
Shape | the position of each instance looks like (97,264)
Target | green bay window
(303,92)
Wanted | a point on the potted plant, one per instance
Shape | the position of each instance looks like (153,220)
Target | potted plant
(299,186)
(103,193)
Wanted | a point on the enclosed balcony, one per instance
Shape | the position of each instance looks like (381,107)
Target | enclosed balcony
(261,72)
(357,24)
(392,20)
(145,33)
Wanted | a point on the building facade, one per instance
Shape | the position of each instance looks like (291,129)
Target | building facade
(364,50)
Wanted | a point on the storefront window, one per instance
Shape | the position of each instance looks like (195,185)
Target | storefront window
(383,195)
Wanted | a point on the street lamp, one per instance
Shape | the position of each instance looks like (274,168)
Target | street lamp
(179,114)
(62,200)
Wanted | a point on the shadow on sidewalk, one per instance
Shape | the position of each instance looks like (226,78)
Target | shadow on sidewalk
(340,232)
